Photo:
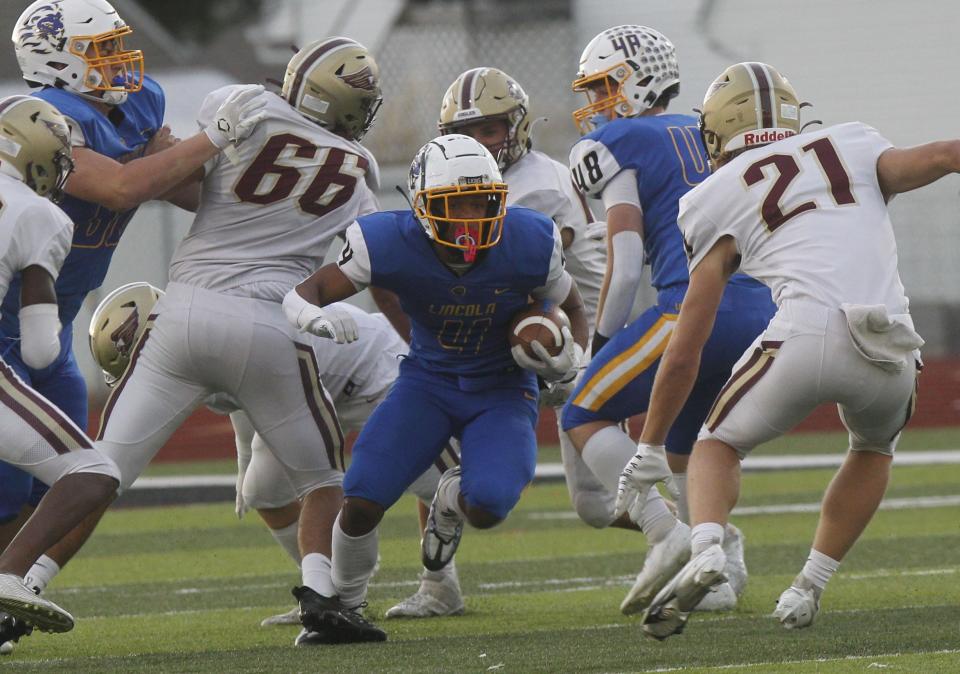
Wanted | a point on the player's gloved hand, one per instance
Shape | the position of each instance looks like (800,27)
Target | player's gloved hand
(642,472)
(237,116)
(557,392)
(328,322)
(552,368)
(597,231)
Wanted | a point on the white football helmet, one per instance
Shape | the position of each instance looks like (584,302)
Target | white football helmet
(35,144)
(636,64)
(78,45)
(454,166)
(118,323)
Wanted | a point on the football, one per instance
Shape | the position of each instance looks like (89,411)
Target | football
(540,321)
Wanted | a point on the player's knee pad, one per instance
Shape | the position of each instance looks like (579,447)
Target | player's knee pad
(322,479)
(594,508)
(495,497)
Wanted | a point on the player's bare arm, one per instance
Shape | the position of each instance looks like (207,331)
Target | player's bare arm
(681,360)
(904,169)
(573,307)
(388,303)
(119,186)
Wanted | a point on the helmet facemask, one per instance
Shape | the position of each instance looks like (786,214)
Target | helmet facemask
(110,68)
(624,70)
(468,234)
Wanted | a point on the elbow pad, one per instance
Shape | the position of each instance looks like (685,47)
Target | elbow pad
(39,335)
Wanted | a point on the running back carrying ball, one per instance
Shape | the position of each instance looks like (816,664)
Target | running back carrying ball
(542,322)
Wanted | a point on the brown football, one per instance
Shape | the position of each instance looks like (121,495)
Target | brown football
(540,321)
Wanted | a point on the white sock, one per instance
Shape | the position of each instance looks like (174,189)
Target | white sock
(316,573)
(354,558)
(606,453)
(448,496)
(656,520)
(819,568)
(680,490)
(704,535)
(41,573)
(286,538)
(441,575)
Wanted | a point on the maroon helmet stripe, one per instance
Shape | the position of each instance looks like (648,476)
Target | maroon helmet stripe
(763,89)
(115,394)
(466,89)
(308,62)
(10,100)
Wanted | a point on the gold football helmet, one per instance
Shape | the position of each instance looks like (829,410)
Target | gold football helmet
(748,105)
(335,83)
(35,144)
(482,94)
(117,325)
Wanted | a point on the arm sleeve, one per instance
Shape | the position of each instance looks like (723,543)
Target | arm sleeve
(557,286)
(39,335)
(622,189)
(624,282)
(354,260)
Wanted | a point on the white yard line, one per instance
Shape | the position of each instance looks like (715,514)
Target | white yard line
(784,508)
(741,665)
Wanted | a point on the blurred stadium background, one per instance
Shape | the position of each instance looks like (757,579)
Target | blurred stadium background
(887,63)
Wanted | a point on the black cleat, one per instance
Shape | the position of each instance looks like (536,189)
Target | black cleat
(327,621)
(11,629)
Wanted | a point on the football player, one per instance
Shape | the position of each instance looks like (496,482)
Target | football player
(267,217)
(357,376)
(806,213)
(37,437)
(640,159)
(462,264)
(491,107)
(73,52)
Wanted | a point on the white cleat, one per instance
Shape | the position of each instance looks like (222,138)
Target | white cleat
(736,569)
(798,605)
(433,598)
(724,597)
(663,562)
(444,530)
(291,617)
(720,598)
(6,648)
(669,610)
(20,602)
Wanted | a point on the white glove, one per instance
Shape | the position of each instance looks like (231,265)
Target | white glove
(237,116)
(330,322)
(645,469)
(561,367)
(557,393)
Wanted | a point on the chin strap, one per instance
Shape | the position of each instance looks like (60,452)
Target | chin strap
(462,234)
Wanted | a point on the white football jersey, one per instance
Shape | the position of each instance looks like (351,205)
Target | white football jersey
(538,182)
(33,231)
(271,207)
(364,368)
(808,218)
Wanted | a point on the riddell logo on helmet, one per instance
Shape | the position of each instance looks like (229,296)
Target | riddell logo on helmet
(767,136)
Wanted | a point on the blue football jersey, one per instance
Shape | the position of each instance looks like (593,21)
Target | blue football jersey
(668,156)
(97,230)
(460,323)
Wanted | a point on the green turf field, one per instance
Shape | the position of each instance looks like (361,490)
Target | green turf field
(184,589)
